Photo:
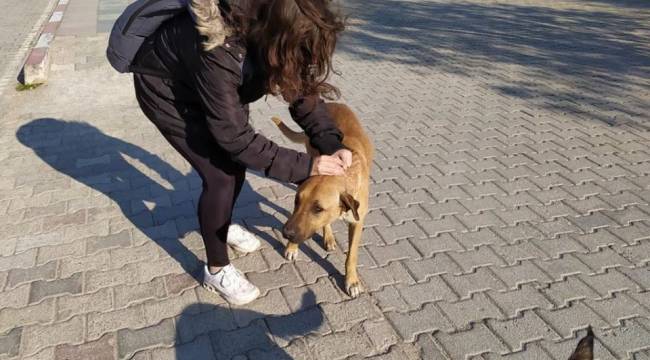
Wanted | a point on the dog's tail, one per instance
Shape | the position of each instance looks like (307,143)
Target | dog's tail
(294,136)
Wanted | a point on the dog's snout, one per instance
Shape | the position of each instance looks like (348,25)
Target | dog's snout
(289,233)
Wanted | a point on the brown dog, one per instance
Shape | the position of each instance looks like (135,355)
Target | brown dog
(322,199)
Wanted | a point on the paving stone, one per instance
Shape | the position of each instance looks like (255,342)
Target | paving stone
(99,324)
(432,290)
(97,243)
(348,313)
(341,345)
(43,272)
(479,257)
(42,289)
(521,330)
(10,342)
(514,302)
(130,341)
(381,333)
(568,290)
(102,349)
(96,280)
(227,344)
(42,312)
(428,246)
(285,276)
(426,319)
(157,310)
(285,329)
(385,254)
(322,291)
(191,324)
(565,321)
(133,294)
(388,298)
(465,312)
(201,348)
(37,337)
(481,280)
(473,342)
(618,308)
(50,253)
(69,305)
(25,259)
(15,298)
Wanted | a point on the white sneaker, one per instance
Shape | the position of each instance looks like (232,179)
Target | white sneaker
(241,239)
(231,284)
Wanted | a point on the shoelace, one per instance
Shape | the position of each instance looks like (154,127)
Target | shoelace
(229,272)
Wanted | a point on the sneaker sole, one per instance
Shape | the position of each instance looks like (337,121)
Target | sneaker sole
(230,300)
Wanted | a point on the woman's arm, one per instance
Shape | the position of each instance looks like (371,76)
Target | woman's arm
(310,113)
(216,79)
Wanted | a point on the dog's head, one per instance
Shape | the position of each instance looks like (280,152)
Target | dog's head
(319,201)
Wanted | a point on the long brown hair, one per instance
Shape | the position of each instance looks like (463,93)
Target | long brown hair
(295,40)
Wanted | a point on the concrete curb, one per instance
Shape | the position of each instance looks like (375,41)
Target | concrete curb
(37,65)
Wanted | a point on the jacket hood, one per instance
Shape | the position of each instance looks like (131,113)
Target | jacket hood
(209,22)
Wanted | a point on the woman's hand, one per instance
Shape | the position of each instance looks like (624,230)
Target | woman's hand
(327,165)
(345,156)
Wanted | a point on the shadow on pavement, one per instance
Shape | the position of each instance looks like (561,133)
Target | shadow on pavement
(581,60)
(163,213)
(204,329)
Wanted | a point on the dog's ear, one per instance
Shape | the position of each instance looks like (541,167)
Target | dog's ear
(350,204)
(585,348)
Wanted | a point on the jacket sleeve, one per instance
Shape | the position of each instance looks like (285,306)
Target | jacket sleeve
(311,114)
(217,79)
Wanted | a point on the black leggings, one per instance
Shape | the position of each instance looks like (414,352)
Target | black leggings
(185,129)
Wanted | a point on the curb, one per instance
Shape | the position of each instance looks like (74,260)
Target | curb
(37,65)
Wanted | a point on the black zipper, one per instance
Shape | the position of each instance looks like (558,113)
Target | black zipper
(135,15)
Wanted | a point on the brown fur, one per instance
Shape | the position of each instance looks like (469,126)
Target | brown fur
(336,196)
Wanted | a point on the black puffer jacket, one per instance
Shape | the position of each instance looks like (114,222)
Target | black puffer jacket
(222,82)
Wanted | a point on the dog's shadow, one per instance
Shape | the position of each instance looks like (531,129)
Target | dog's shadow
(164,213)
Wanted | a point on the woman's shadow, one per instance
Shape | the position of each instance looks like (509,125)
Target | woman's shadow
(97,160)
(206,331)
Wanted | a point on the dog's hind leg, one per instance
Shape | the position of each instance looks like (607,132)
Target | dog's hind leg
(328,237)
(352,284)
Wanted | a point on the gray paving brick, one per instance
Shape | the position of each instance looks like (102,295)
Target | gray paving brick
(520,331)
(18,297)
(240,341)
(479,257)
(439,264)
(43,272)
(10,342)
(42,289)
(465,312)
(97,243)
(191,325)
(341,345)
(157,310)
(25,259)
(38,337)
(432,290)
(346,314)
(40,313)
(481,280)
(129,341)
(285,329)
(102,349)
(475,341)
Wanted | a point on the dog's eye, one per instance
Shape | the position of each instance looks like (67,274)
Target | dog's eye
(318,209)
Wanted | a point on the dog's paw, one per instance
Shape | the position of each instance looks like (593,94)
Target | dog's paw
(290,254)
(330,245)
(353,288)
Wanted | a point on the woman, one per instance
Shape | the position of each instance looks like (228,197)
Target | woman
(194,79)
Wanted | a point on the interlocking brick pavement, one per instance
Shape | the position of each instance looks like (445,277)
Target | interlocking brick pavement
(510,203)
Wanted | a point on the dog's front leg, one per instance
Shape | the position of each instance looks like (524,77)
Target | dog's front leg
(352,284)
(328,238)
(291,251)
